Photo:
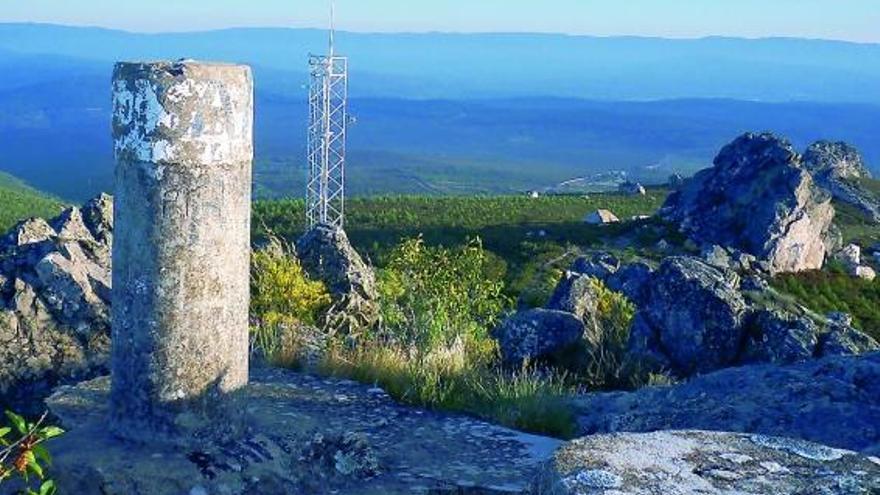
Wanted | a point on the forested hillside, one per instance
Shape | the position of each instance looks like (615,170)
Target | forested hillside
(18,201)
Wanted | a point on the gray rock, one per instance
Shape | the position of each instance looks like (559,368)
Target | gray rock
(538,334)
(834,401)
(710,463)
(70,226)
(97,215)
(632,281)
(754,283)
(835,160)
(844,340)
(326,254)
(837,168)
(30,231)
(54,302)
(760,199)
(599,265)
(850,256)
(575,294)
(780,338)
(696,311)
(864,273)
(718,257)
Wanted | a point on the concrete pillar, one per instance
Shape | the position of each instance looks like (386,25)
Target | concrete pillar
(181,246)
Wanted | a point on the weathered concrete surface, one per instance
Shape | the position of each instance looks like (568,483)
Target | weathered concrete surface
(307,435)
(833,401)
(706,463)
(181,248)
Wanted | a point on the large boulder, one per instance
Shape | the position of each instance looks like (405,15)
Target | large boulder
(842,339)
(632,280)
(599,265)
(539,335)
(833,401)
(838,168)
(758,198)
(327,255)
(702,462)
(54,301)
(693,315)
(776,337)
(830,160)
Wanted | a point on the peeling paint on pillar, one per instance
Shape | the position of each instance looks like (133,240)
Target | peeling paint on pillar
(181,249)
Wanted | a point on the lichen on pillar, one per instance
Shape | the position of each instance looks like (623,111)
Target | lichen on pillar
(183,138)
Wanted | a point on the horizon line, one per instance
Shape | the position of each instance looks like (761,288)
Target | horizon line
(439,32)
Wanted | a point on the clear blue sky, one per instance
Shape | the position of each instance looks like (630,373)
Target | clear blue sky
(857,20)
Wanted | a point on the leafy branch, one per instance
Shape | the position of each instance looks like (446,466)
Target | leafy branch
(23,454)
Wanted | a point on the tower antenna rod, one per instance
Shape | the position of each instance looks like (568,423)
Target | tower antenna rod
(332,25)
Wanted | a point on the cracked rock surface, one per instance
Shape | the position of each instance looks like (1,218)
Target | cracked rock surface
(708,463)
(305,435)
(54,301)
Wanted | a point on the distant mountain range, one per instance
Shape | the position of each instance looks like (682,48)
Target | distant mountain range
(452,113)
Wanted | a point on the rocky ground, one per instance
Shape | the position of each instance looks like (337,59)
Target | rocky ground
(833,401)
(308,435)
(325,436)
(710,463)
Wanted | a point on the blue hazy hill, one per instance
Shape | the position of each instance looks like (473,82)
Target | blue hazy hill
(505,65)
(444,113)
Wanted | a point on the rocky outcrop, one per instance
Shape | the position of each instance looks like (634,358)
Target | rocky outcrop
(837,168)
(306,435)
(776,337)
(632,280)
(842,339)
(833,401)
(539,335)
(54,301)
(850,257)
(327,255)
(709,463)
(598,265)
(694,316)
(758,198)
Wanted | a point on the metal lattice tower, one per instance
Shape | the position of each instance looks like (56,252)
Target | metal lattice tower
(328,118)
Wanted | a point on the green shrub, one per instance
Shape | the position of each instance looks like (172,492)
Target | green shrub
(835,290)
(607,365)
(433,296)
(283,299)
(433,347)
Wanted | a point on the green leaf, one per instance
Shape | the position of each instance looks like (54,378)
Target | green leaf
(48,488)
(18,422)
(33,465)
(4,431)
(51,432)
(42,454)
